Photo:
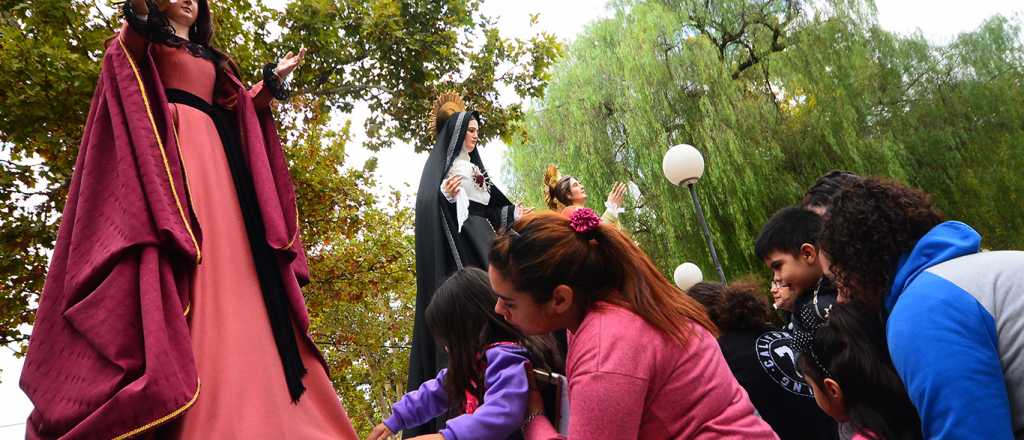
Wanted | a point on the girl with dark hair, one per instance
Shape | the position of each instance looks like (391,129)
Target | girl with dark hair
(173,305)
(566,194)
(853,379)
(485,387)
(763,359)
(642,361)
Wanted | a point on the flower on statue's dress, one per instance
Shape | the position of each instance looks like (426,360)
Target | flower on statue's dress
(480,180)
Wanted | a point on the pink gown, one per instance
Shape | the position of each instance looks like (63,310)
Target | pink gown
(243,394)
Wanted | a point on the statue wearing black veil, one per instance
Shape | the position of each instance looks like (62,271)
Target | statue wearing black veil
(454,229)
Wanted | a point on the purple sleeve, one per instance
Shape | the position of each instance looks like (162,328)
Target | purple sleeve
(420,406)
(505,399)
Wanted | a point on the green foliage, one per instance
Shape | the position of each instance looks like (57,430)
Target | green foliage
(963,131)
(397,55)
(774,94)
(37,144)
(361,254)
(393,55)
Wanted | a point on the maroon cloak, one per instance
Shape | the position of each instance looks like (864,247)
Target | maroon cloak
(110,353)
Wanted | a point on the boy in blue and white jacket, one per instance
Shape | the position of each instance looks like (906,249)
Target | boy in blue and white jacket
(955,325)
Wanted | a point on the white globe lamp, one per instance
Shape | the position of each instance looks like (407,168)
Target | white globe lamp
(687,275)
(683,164)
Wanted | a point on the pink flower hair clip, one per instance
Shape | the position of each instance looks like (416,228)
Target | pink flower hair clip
(584,221)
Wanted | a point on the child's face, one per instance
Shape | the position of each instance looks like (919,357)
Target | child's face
(800,272)
(829,397)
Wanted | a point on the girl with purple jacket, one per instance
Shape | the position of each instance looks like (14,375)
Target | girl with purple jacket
(485,388)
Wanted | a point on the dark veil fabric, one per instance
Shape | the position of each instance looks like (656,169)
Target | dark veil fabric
(440,248)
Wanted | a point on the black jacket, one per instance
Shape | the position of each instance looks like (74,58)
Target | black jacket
(810,311)
(764,363)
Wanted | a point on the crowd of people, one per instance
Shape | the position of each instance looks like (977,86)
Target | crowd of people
(173,305)
(886,322)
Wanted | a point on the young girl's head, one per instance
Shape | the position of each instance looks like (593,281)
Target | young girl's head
(848,367)
(461,317)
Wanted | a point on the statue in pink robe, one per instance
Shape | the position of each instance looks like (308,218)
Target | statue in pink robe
(172,307)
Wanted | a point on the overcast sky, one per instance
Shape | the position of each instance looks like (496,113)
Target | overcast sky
(938,20)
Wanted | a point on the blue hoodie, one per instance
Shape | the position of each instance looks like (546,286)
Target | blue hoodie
(956,334)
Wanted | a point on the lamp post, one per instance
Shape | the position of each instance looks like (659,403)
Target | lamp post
(686,275)
(684,165)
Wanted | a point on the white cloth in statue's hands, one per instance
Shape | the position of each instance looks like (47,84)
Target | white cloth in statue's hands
(461,201)
(461,208)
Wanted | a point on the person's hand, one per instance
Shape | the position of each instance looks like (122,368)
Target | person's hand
(380,432)
(289,63)
(429,437)
(522,210)
(617,194)
(451,186)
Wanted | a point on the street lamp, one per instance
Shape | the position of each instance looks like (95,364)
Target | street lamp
(686,275)
(684,165)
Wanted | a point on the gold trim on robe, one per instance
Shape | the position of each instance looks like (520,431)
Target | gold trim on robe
(163,152)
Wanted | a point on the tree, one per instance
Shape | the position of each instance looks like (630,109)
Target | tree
(36,142)
(362,254)
(963,130)
(775,93)
(393,55)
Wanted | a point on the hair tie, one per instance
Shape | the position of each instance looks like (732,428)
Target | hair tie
(584,222)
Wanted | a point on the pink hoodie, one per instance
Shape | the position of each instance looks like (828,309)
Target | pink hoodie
(629,380)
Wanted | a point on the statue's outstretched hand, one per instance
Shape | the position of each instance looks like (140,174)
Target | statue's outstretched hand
(289,63)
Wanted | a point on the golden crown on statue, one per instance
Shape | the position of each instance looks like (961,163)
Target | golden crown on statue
(446,105)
